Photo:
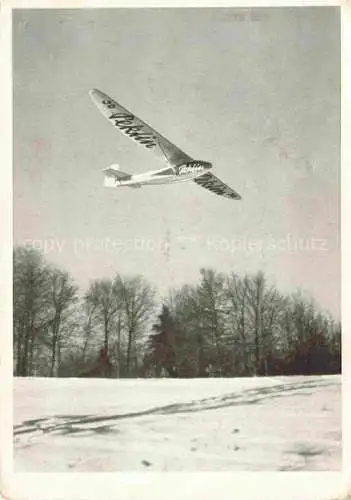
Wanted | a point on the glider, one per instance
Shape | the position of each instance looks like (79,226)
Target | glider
(181,167)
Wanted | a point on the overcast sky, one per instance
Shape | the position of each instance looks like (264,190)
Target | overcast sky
(255,92)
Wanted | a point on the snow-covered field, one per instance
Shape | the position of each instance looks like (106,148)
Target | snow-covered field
(250,424)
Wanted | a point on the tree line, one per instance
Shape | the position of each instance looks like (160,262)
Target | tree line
(226,325)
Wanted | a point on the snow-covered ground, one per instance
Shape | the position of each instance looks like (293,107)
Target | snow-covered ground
(247,424)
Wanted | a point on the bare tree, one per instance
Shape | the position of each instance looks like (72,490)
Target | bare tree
(30,305)
(236,293)
(211,302)
(136,298)
(102,302)
(189,336)
(63,295)
(88,311)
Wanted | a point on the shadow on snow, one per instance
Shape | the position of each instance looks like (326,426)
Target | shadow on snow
(79,424)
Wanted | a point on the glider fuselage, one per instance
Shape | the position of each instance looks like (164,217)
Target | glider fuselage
(167,175)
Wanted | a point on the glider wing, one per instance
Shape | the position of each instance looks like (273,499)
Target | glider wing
(212,183)
(131,126)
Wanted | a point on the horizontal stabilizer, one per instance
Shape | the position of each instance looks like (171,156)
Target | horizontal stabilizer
(115,173)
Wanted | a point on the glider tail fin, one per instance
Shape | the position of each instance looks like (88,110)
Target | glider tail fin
(113,174)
